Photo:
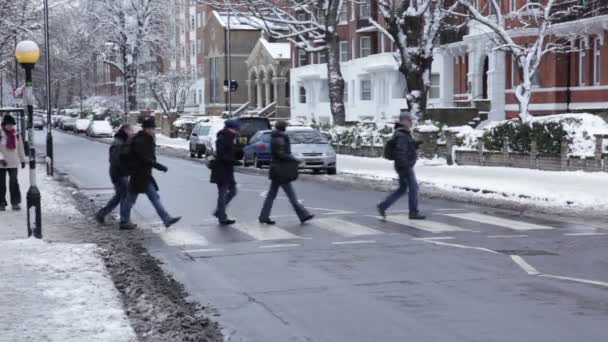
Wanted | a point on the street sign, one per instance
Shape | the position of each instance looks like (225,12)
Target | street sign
(234,85)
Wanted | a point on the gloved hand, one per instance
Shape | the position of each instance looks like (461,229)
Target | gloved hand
(2,162)
(162,168)
(23,165)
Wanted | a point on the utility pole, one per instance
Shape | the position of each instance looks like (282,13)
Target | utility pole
(124,83)
(49,134)
(229,68)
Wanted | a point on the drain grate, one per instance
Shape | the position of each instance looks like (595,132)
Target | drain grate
(524,252)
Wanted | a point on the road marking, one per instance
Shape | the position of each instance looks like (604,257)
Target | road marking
(427,225)
(180,237)
(353,242)
(578,280)
(264,232)
(207,250)
(281,245)
(345,228)
(435,238)
(497,221)
(506,236)
(585,234)
(483,249)
(524,265)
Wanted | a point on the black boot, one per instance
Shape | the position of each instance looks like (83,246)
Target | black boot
(128,226)
(266,221)
(416,216)
(227,222)
(307,218)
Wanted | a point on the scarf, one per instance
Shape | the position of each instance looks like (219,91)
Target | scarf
(11,138)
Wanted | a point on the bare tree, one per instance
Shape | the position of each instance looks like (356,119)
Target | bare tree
(311,25)
(126,30)
(536,17)
(170,89)
(414,27)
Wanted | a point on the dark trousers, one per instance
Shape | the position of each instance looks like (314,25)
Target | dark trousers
(291,195)
(13,185)
(131,198)
(407,180)
(225,194)
(121,186)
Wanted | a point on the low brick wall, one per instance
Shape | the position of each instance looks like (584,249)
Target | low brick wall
(361,151)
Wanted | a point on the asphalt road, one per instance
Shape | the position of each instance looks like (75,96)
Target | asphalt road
(469,273)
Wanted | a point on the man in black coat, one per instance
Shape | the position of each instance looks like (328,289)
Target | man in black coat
(222,172)
(283,171)
(405,156)
(118,172)
(142,157)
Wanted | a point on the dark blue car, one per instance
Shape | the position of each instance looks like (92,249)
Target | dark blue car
(257,150)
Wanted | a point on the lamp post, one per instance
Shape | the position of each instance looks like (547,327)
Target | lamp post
(28,54)
(49,134)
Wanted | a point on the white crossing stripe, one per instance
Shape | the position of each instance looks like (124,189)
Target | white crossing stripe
(353,242)
(345,228)
(183,236)
(264,232)
(427,225)
(497,221)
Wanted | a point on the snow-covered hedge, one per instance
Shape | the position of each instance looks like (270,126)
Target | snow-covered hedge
(363,134)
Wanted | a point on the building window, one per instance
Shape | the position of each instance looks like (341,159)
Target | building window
(434,91)
(343,20)
(193,48)
(343,51)
(302,95)
(192,22)
(302,58)
(345,98)
(364,10)
(582,65)
(365,46)
(322,57)
(512,6)
(366,90)
(596,61)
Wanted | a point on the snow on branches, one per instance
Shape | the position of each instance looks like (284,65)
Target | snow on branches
(170,89)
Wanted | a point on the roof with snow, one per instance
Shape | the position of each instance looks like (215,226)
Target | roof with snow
(277,50)
(241,22)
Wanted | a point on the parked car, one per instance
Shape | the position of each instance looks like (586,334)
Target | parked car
(100,129)
(257,151)
(201,140)
(250,125)
(312,149)
(38,123)
(68,123)
(82,125)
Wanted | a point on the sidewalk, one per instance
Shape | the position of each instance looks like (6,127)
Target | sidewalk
(55,291)
(577,190)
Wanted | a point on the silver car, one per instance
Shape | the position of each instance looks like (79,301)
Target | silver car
(312,149)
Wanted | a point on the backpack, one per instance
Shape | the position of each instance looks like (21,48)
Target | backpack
(389,149)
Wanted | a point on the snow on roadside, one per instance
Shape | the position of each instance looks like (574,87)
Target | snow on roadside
(543,188)
(177,143)
(58,292)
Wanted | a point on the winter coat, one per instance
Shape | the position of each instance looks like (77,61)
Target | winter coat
(117,168)
(283,165)
(143,151)
(223,168)
(12,158)
(404,149)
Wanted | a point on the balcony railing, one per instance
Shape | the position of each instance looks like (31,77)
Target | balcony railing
(571,10)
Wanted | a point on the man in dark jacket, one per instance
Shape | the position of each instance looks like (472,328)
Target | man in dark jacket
(283,170)
(222,173)
(118,172)
(142,155)
(405,156)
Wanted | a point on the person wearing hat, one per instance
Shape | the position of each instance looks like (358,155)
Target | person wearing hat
(142,155)
(222,172)
(12,155)
(283,171)
(403,151)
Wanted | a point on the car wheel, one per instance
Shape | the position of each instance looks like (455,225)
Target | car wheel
(192,155)
(256,162)
(331,171)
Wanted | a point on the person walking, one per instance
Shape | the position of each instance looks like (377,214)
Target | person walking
(119,174)
(222,171)
(12,155)
(142,156)
(402,149)
(283,171)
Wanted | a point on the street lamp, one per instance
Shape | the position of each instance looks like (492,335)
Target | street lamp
(49,135)
(28,54)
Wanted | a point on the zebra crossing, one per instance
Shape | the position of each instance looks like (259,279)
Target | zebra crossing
(343,230)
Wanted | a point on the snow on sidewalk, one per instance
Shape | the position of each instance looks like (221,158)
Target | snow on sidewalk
(58,292)
(543,188)
(176,143)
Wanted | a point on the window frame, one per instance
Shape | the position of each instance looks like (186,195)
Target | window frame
(302,96)
(582,65)
(365,92)
(361,39)
(344,50)
(437,86)
(302,57)
(364,10)
(597,62)
(512,6)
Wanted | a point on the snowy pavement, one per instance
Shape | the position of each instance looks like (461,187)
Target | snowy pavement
(542,188)
(176,143)
(52,291)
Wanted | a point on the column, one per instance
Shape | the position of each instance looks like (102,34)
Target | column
(475,72)
(267,90)
(279,90)
(447,79)
(496,85)
(249,92)
(260,99)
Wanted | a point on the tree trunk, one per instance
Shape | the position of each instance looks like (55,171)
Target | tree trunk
(335,80)
(523,96)
(131,82)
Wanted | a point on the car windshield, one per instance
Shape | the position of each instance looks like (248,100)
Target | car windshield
(204,130)
(306,137)
(266,137)
(250,126)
